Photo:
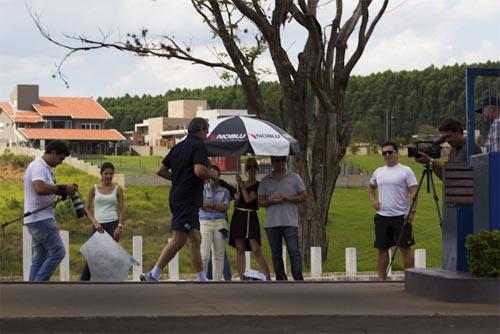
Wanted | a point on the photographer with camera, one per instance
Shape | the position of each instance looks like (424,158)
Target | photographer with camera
(452,132)
(395,183)
(39,190)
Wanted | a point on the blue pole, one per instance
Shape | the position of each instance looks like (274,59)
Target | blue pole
(469,108)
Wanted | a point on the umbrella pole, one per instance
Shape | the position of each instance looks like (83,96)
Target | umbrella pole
(238,173)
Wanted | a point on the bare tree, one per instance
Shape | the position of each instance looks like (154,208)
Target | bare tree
(322,67)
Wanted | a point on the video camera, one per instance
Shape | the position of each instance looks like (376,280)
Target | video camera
(429,147)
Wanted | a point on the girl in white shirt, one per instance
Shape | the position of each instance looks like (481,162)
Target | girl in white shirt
(107,203)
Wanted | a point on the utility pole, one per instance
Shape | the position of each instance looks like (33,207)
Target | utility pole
(386,125)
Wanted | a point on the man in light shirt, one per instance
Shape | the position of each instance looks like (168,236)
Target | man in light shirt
(395,184)
(39,190)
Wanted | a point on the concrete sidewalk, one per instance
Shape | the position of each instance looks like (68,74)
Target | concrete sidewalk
(237,307)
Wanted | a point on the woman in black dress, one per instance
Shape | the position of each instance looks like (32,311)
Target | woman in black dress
(245,230)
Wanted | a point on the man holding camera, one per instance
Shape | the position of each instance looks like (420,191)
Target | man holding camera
(490,108)
(395,184)
(452,132)
(186,166)
(39,190)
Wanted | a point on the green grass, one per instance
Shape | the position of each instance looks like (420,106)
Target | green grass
(131,164)
(370,162)
(147,214)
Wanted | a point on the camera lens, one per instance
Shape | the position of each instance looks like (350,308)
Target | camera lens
(77,203)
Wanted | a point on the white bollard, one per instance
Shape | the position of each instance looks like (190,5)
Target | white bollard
(248,260)
(137,254)
(27,253)
(283,254)
(350,261)
(420,258)
(64,266)
(316,270)
(389,274)
(173,267)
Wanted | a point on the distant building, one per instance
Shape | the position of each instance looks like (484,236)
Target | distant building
(167,131)
(185,108)
(213,114)
(160,133)
(32,120)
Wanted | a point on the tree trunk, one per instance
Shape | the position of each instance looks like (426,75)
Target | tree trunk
(328,148)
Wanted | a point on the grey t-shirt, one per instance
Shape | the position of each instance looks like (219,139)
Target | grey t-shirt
(286,213)
(460,155)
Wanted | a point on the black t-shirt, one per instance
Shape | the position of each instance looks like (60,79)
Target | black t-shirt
(253,205)
(187,188)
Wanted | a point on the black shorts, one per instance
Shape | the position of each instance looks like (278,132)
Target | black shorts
(388,229)
(185,217)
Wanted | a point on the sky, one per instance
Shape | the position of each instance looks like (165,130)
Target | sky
(413,34)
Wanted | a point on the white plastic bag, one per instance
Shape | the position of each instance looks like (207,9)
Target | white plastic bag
(254,275)
(107,260)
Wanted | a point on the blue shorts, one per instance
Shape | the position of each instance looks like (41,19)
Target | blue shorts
(185,217)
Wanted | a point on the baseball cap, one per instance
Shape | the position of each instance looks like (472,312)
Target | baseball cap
(488,101)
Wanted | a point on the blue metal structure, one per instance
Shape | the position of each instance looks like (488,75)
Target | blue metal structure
(470,74)
(460,221)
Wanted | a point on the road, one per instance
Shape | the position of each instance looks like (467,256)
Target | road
(235,307)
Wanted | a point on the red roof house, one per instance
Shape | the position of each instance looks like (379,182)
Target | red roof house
(32,120)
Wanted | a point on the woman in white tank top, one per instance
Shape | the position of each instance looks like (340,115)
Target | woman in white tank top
(104,208)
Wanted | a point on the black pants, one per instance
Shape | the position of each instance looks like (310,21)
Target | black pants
(108,227)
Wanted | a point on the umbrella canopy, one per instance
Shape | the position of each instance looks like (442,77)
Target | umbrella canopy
(234,136)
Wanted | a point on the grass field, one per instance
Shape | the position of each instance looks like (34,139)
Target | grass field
(131,164)
(147,214)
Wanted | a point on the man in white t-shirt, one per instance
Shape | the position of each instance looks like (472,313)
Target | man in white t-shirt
(396,184)
(39,190)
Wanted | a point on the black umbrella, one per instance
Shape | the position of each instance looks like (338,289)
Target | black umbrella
(235,136)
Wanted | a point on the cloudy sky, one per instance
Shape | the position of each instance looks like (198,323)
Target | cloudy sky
(413,34)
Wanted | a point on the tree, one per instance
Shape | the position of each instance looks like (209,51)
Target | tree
(323,67)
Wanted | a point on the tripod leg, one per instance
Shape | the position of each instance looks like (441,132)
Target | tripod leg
(436,200)
(383,262)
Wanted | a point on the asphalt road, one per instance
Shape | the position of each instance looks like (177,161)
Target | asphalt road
(236,307)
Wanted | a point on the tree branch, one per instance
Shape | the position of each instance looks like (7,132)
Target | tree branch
(363,38)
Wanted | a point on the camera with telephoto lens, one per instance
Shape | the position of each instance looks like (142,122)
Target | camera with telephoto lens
(78,204)
(431,148)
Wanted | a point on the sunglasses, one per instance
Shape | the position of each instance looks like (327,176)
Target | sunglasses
(387,152)
(252,167)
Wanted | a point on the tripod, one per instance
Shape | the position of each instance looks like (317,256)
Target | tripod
(29,213)
(427,174)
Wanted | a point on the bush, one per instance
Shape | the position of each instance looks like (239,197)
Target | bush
(8,158)
(355,148)
(483,254)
